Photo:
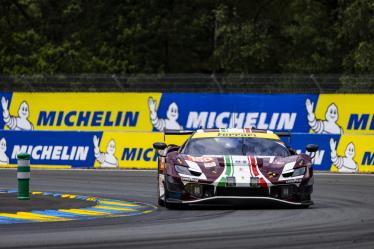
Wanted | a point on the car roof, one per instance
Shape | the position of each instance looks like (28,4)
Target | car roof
(246,132)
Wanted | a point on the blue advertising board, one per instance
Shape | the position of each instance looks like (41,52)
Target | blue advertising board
(49,147)
(278,112)
(322,159)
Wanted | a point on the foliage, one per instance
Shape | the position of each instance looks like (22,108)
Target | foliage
(195,36)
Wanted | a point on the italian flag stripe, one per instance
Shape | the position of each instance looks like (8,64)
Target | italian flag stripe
(255,171)
(228,171)
(253,165)
(250,166)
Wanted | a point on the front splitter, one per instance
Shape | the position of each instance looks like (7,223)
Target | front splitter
(241,200)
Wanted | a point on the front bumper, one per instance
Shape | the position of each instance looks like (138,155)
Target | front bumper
(205,193)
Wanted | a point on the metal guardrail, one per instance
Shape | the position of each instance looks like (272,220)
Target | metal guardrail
(284,83)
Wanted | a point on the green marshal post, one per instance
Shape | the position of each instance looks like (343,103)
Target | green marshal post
(23,176)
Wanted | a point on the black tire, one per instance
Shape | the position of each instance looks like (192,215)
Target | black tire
(166,194)
(161,202)
(169,205)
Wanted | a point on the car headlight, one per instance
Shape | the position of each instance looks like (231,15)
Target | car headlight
(299,171)
(182,169)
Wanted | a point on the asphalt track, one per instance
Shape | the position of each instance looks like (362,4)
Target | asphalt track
(342,217)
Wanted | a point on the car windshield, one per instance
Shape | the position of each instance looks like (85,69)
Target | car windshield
(235,146)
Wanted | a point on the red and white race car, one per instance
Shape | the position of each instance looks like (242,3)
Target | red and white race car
(233,166)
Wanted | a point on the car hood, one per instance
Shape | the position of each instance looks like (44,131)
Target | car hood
(215,168)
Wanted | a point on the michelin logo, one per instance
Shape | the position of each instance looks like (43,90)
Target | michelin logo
(196,120)
(88,118)
(17,123)
(328,126)
(106,159)
(172,114)
(52,152)
(260,120)
(346,163)
(4,159)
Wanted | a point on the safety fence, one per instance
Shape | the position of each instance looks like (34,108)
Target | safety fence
(118,129)
(218,83)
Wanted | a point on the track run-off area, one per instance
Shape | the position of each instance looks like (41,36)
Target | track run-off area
(342,216)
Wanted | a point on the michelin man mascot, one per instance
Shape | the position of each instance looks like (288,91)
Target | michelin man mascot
(4,159)
(172,115)
(346,163)
(20,123)
(107,159)
(328,126)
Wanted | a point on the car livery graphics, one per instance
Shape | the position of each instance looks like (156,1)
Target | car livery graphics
(243,168)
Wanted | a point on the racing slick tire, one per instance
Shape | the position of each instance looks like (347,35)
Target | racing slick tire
(170,205)
(160,201)
(167,204)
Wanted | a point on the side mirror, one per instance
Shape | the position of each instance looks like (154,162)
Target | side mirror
(159,146)
(312,148)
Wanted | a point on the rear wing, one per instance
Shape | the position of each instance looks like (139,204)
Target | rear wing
(177,133)
(286,134)
(281,134)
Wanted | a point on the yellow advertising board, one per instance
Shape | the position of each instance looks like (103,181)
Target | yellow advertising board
(84,111)
(353,113)
(355,153)
(130,149)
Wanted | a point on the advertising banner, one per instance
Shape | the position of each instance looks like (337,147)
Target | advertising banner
(349,113)
(322,159)
(84,149)
(346,153)
(352,153)
(77,111)
(48,147)
(302,113)
(278,112)
(130,149)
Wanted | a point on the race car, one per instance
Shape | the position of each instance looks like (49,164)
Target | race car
(233,166)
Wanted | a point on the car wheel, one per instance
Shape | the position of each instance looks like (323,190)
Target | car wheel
(165,200)
(161,200)
(169,205)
